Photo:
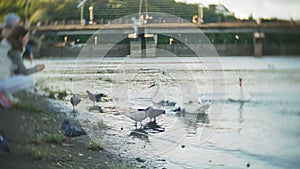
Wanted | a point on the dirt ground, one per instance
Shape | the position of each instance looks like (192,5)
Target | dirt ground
(32,129)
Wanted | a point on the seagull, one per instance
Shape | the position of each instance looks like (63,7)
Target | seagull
(3,143)
(95,97)
(137,116)
(153,113)
(71,131)
(74,101)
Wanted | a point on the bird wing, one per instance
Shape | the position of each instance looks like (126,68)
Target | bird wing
(98,97)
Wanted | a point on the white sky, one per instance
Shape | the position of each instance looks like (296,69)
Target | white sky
(281,9)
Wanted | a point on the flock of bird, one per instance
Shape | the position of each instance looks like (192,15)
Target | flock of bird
(190,107)
(138,115)
(141,114)
(93,97)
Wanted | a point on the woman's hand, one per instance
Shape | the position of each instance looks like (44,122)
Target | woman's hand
(40,67)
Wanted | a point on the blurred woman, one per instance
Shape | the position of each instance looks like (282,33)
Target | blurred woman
(18,39)
(18,73)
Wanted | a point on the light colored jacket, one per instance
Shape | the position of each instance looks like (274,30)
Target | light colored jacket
(5,62)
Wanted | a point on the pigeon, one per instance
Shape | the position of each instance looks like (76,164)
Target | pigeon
(74,101)
(137,116)
(71,131)
(3,143)
(95,97)
(153,113)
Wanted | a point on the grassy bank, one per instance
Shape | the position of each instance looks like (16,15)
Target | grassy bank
(32,128)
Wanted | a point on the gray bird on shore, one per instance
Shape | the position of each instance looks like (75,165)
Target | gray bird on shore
(74,101)
(3,143)
(71,131)
(137,116)
(95,97)
(153,113)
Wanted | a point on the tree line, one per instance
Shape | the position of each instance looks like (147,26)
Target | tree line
(104,10)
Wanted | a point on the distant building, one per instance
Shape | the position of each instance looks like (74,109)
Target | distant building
(220,9)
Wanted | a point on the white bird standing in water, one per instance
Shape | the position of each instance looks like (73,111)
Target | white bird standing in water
(74,101)
(158,97)
(242,96)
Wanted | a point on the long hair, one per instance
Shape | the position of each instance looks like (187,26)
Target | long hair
(16,36)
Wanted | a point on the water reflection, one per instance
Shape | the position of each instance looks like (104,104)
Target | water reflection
(154,127)
(143,133)
(139,133)
(95,108)
(241,118)
(193,121)
(240,110)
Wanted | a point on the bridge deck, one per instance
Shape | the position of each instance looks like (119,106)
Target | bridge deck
(234,27)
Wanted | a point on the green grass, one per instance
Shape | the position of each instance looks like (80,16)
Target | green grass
(55,94)
(52,138)
(91,145)
(27,107)
(124,166)
(38,139)
(35,139)
(36,153)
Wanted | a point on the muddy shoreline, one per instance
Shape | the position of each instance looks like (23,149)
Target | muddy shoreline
(32,128)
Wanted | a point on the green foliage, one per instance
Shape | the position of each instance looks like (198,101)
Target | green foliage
(104,10)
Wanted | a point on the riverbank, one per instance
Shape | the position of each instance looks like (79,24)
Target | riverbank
(33,132)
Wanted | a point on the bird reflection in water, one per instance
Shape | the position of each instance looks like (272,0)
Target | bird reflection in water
(142,133)
(139,133)
(241,118)
(194,121)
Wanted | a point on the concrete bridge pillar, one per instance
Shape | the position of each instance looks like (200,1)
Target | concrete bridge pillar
(258,43)
(144,45)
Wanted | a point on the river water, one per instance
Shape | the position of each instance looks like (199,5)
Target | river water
(261,133)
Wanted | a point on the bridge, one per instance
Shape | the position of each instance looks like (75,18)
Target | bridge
(223,27)
(125,28)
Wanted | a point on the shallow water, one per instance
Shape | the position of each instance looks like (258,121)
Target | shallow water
(263,133)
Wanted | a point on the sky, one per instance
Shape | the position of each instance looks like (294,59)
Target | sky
(281,9)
